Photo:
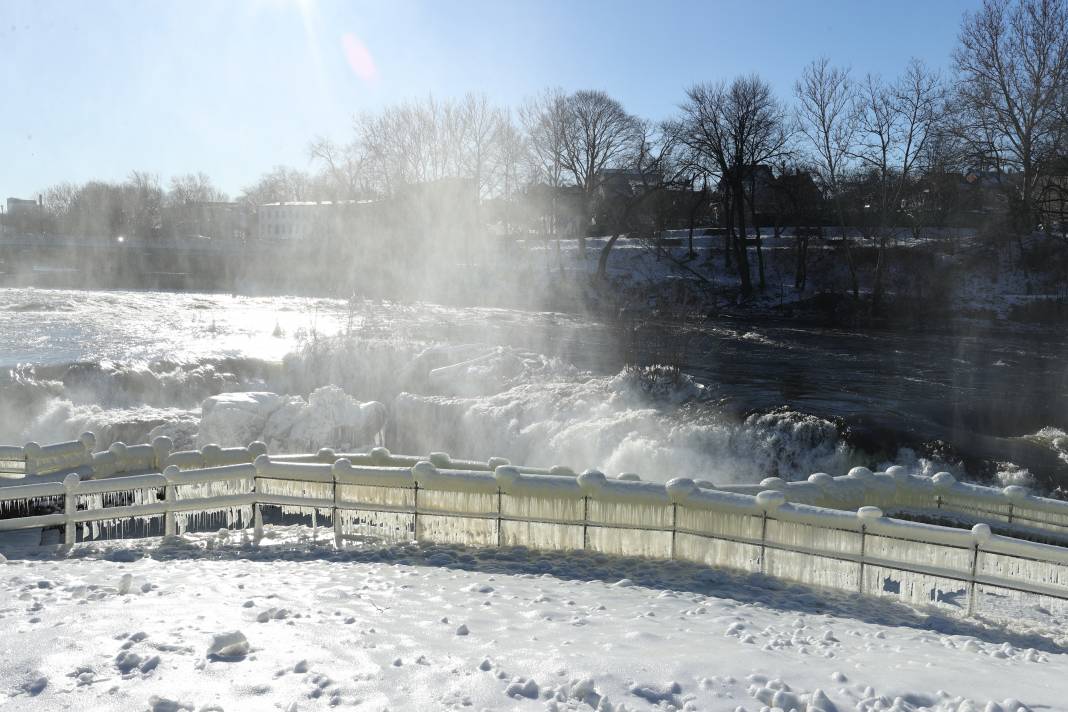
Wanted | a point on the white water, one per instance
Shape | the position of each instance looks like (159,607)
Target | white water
(143,363)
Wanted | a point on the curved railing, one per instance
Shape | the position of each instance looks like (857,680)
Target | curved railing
(940,498)
(399,498)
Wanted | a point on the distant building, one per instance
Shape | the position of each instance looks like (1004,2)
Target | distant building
(306,220)
(23,216)
(200,218)
(1053,197)
(627,182)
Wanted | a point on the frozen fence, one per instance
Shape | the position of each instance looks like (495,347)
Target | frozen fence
(863,551)
(940,498)
(33,459)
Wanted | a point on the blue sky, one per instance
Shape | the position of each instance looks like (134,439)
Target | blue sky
(98,88)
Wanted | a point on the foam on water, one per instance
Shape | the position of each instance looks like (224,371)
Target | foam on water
(472,400)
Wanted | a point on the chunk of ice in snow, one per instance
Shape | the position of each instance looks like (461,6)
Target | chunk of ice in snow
(162,704)
(126,661)
(229,645)
(124,584)
(523,688)
(657,693)
(35,686)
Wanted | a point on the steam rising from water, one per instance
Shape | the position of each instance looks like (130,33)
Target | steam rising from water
(131,366)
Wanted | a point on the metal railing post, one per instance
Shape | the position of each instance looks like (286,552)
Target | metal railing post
(415,512)
(170,518)
(982,534)
(339,466)
(70,506)
(257,512)
(674,528)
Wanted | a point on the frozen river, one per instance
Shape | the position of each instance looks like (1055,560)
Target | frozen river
(544,387)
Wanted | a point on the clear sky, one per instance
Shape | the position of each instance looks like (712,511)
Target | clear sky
(95,88)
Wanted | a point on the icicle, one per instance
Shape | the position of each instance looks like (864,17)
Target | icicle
(559,509)
(639,515)
(294,488)
(456,530)
(388,526)
(372,495)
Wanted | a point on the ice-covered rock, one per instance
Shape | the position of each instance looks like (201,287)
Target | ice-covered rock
(236,418)
(328,418)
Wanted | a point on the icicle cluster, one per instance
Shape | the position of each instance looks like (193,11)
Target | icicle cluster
(214,488)
(295,488)
(120,498)
(207,520)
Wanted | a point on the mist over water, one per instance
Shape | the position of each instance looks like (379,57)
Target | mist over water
(539,388)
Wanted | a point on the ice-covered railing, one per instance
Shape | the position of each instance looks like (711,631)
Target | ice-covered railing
(77,455)
(864,551)
(940,497)
(1011,509)
(33,459)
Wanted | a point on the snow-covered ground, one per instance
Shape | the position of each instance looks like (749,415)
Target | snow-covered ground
(139,625)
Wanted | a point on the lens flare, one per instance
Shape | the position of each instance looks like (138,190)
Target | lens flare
(359,58)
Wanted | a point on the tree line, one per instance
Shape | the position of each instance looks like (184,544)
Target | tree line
(850,158)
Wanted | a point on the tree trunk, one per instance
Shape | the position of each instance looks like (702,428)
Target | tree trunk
(741,249)
(801,269)
(848,250)
(728,233)
(602,261)
(759,241)
(877,280)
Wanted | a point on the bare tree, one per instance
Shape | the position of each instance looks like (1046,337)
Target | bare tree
(736,128)
(193,187)
(481,126)
(826,119)
(281,184)
(896,122)
(651,170)
(142,203)
(544,121)
(598,134)
(342,166)
(513,159)
(1012,67)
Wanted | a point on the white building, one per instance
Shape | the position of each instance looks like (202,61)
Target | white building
(307,219)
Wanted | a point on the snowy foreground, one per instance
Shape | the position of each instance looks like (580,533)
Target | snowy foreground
(149,624)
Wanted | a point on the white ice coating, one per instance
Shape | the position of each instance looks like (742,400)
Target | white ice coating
(289,423)
(773,532)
